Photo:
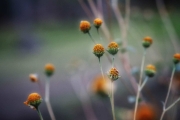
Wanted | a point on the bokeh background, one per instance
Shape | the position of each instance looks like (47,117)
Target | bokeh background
(36,32)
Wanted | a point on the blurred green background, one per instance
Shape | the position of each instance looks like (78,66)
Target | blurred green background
(33,33)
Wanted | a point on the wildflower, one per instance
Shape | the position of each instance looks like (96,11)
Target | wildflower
(176,58)
(85,26)
(146,112)
(113,74)
(98,50)
(49,69)
(100,86)
(33,77)
(147,41)
(33,100)
(97,22)
(113,48)
(150,70)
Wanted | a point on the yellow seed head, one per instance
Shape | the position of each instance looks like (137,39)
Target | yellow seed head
(150,70)
(33,100)
(113,74)
(176,58)
(113,48)
(98,50)
(98,22)
(49,69)
(147,41)
(85,26)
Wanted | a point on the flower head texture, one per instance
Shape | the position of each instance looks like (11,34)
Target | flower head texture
(147,41)
(98,22)
(33,100)
(49,69)
(150,70)
(98,50)
(113,48)
(176,58)
(113,74)
(85,26)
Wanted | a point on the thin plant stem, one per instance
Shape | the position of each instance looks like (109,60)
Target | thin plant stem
(169,89)
(144,82)
(39,113)
(112,101)
(113,61)
(139,85)
(47,100)
(99,34)
(100,65)
(91,37)
(173,104)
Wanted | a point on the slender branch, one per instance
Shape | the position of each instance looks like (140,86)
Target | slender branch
(112,101)
(47,90)
(173,104)
(100,65)
(139,85)
(91,37)
(144,82)
(169,89)
(39,113)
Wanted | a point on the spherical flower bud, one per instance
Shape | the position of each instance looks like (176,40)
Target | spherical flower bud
(85,26)
(147,41)
(150,70)
(97,22)
(113,48)
(176,58)
(98,50)
(101,86)
(33,100)
(113,74)
(146,112)
(33,77)
(49,69)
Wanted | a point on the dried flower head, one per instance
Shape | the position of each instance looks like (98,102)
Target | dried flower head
(113,48)
(176,58)
(33,100)
(98,50)
(49,69)
(85,26)
(33,77)
(146,112)
(97,22)
(100,86)
(113,74)
(147,41)
(150,70)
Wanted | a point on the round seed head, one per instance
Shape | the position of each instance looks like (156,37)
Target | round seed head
(113,74)
(33,77)
(97,22)
(49,69)
(85,26)
(150,70)
(33,100)
(176,58)
(113,48)
(98,50)
(147,41)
